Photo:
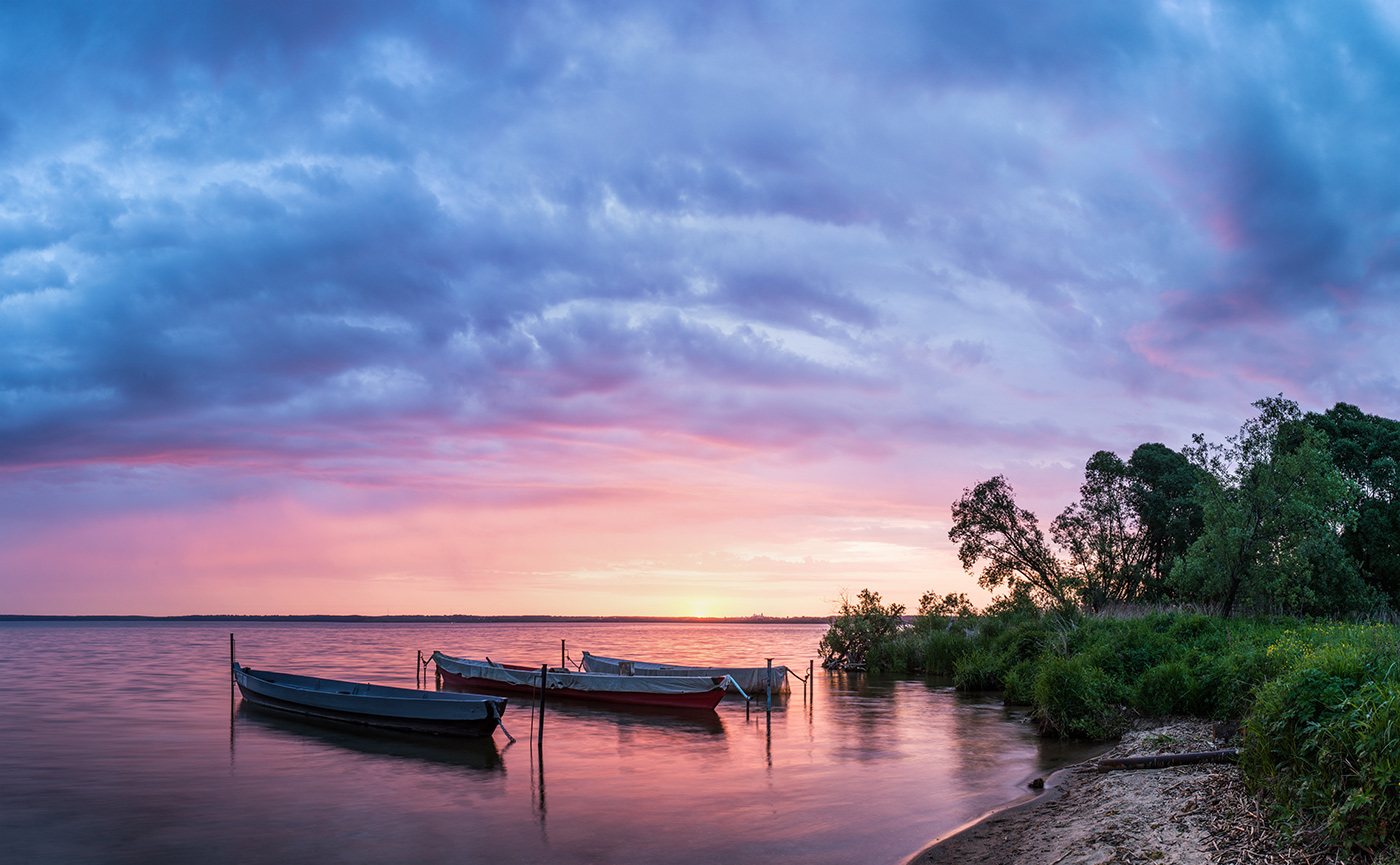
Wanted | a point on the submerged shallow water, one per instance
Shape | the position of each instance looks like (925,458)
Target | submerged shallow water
(125,742)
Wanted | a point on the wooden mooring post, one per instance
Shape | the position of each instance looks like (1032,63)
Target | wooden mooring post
(768,686)
(544,682)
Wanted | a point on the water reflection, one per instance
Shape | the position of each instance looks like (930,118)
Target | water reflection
(477,754)
(663,719)
(537,785)
(861,769)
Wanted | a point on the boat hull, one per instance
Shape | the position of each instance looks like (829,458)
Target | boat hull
(509,679)
(702,700)
(401,709)
(753,681)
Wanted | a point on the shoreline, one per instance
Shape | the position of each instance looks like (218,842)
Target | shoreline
(950,841)
(1049,793)
(1179,816)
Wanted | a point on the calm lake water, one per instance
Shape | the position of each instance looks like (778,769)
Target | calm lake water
(125,742)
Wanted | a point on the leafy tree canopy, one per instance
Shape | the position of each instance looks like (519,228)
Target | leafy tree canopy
(1170,519)
(1366,450)
(1273,507)
(1101,534)
(990,528)
(856,627)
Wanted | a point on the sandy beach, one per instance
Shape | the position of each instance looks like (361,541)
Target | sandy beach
(1180,815)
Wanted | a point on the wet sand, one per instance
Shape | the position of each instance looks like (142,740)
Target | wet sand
(1185,814)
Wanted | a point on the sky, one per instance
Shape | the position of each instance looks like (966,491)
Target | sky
(651,308)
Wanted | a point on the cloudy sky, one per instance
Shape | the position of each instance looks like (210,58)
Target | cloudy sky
(654,308)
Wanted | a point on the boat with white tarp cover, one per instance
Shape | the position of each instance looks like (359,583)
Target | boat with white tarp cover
(752,681)
(677,692)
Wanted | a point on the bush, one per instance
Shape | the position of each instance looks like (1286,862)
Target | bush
(1324,738)
(1227,682)
(1019,684)
(1023,643)
(977,670)
(1166,689)
(942,649)
(1075,699)
(1322,701)
(857,627)
(1358,757)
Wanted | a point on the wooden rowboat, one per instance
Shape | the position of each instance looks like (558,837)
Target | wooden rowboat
(439,712)
(750,680)
(677,692)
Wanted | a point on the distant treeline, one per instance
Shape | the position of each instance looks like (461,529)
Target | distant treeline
(452,619)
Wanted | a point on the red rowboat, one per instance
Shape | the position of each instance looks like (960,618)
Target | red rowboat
(678,692)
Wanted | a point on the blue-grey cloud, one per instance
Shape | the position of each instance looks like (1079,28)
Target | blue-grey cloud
(235,228)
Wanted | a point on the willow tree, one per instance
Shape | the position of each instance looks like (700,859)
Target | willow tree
(990,528)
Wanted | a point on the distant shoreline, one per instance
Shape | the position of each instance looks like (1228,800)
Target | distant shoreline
(453,619)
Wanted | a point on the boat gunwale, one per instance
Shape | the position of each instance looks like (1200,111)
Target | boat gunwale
(705,696)
(438,712)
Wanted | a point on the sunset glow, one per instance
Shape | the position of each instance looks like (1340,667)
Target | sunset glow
(649,309)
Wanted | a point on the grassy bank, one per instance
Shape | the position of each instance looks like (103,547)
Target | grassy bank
(1319,703)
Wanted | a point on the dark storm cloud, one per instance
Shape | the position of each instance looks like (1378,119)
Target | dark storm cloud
(238,228)
(1287,160)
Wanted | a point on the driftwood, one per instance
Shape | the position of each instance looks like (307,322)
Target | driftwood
(1162,761)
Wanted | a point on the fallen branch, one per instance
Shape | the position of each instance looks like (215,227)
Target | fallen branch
(1162,761)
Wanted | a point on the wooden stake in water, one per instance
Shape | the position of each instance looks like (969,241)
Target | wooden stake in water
(562,655)
(769,687)
(232,659)
(544,681)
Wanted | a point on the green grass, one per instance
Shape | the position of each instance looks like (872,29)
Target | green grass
(1323,738)
(1158,664)
(1320,701)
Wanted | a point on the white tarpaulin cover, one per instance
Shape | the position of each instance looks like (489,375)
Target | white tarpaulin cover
(752,679)
(559,679)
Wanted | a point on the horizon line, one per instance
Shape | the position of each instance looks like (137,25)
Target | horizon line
(413,618)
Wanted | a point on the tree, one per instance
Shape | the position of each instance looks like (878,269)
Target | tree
(952,604)
(1366,450)
(1102,536)
(988,526)
(1273,508)
(856,627)
(1169,517)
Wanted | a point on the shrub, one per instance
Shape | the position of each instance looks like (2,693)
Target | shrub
(857,627)
(1019,684)
(1166,689)
(1227,682)
(1324,737)
(1192,627)
(1074,699)
(977,670)
(1358,758)
(1022,643)
(941,650)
